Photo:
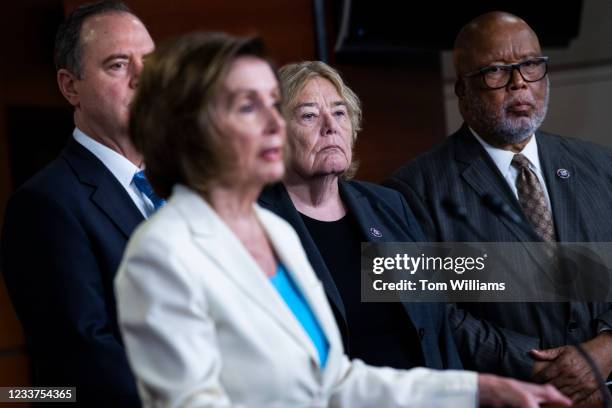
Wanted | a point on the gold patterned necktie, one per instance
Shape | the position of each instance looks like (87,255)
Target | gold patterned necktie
(532,199)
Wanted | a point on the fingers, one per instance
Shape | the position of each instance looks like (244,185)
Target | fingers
(544,355)
(537,367)
(548,374)
(547,394)
(590,397)
(597,398)
(500,391)
(532,396)
(550,370)
(565,364)
(580,385)
(569,373)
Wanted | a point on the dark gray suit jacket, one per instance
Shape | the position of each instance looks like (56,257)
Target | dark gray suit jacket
(497,337)
(384,209)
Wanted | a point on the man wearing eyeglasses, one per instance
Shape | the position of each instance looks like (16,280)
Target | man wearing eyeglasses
(559,187)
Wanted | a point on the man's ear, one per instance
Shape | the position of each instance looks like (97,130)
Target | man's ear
(66,81)
(459,88)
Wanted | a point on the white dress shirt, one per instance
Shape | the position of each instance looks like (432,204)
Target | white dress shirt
(503,160)
(120,167)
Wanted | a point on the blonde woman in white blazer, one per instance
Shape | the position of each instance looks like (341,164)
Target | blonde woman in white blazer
(204,323)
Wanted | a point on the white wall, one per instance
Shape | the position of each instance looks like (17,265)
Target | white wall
(581,80)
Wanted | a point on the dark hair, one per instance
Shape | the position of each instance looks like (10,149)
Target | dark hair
(171,118)
(68,48)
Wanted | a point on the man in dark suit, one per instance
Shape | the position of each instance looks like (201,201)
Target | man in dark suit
(558,186)
(66,228)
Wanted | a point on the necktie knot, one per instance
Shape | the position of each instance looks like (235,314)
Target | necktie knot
(520,162)
(143,185)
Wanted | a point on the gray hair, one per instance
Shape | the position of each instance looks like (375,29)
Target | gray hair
(293,78)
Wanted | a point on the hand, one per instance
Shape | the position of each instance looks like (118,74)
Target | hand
(595,399)
(567,370)
(494,391)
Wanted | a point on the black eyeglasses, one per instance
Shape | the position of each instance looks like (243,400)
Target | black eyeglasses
(499,76)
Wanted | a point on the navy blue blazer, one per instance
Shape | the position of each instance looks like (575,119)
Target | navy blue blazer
(387,211)
(63,238)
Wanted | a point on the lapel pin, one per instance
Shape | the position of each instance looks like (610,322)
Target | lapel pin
(563,173)
(375,232)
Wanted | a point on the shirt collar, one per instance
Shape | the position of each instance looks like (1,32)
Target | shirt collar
(503,158)
(119,165)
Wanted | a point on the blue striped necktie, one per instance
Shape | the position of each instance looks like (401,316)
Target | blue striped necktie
(145,188)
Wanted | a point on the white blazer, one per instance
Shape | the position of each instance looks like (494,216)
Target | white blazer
(204,327)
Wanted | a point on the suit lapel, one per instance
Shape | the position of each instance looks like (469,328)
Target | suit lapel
(367,218)
(562,191)
(480,173)
(108,194)
(222,246)
(376,221)
(360,209)
(302,274)
(277,200)
(483,176)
